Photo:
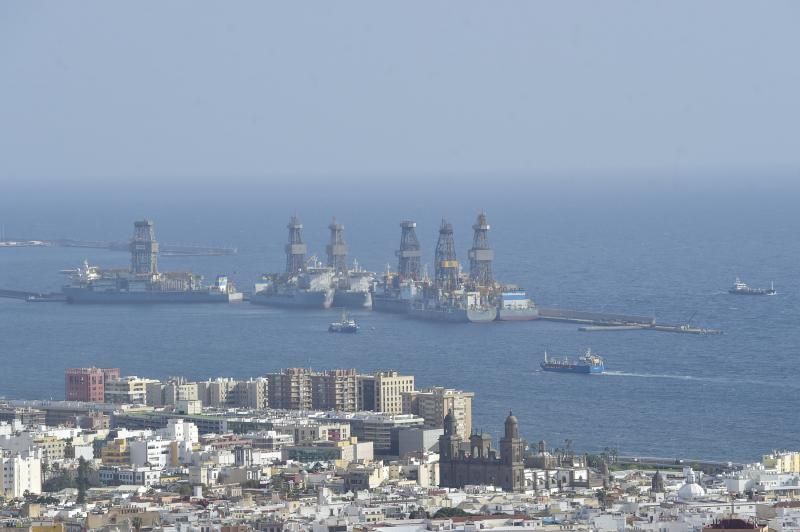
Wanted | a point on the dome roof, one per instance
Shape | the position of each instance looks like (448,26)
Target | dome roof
(512,426)
(691,491)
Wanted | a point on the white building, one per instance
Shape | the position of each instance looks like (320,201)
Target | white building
(180,430)
(156,453)
(127,390)
(130,476)
(20,472)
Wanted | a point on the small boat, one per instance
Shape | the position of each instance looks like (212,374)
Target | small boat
(740,288)
(589,363)
(345,325)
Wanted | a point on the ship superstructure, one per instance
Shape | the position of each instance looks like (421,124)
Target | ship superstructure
(143,283)
(305,284)
(353,288)
(514,304)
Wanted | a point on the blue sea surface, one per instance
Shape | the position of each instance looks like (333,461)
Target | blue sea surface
(671,253)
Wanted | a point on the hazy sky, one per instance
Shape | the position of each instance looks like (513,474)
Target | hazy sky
(279,90)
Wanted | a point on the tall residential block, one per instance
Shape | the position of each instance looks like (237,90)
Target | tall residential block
(290,389)
(252,393)
(214,392)
(433,404)
(388,388)
(335,390)
(20,473)
(88,384)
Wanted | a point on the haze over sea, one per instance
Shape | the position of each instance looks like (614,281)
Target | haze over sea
(671,250)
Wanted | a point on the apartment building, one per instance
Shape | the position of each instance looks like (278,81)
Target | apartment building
(88,384)
(433,404)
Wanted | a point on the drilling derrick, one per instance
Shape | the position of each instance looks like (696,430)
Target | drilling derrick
(337,249)
(295,249)
(446,263)
(481,255)
(144,249)
(409,253)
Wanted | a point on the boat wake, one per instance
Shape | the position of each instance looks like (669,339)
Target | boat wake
(656,376)
(719,380)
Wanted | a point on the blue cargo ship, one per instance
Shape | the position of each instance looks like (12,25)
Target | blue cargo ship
(589,363)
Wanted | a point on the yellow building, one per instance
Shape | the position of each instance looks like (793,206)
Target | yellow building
(783,462)
(389,389)
(48,527)
(116,453)
(52,447)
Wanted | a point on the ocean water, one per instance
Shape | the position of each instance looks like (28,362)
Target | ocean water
(666,251)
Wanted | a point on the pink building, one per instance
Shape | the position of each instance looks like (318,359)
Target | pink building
(87,384)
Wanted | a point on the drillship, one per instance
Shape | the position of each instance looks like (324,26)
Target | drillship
(516,305)
(448,300)
(351,285)
(589,363)
(306,284)
(741,289)
(397,291)
(143,283)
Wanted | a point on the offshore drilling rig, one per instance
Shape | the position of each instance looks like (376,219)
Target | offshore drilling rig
(296,248)
(446,276)
(409,254)
(337,249)
(144,250)
(450,299)
(481,255)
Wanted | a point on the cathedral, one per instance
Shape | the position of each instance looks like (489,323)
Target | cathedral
(481,465)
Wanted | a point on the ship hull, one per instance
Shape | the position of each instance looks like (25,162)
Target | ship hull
(348,299)
(309,300)
(390,305)
(584,370)
(526,314)
(456,315)
(348,329)
(84,296)
(752,292)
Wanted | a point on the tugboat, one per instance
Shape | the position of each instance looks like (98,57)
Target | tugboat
(589,363)
(346,325)
(741,289)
